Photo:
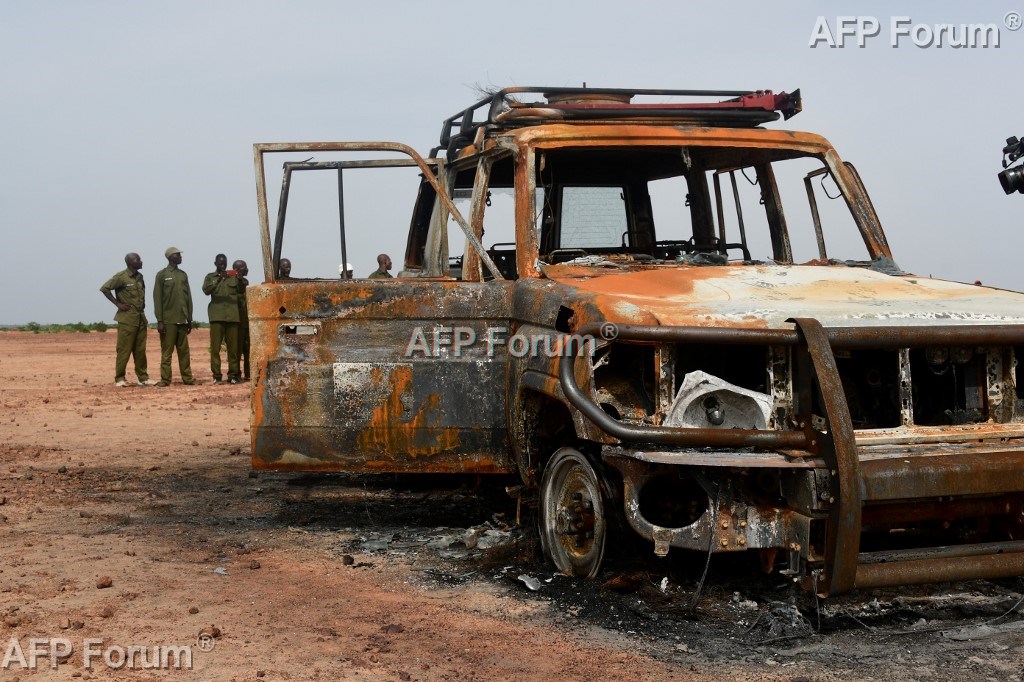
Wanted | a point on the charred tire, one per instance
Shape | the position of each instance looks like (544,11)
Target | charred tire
(573,514)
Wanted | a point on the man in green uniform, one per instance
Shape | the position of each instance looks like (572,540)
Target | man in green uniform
(222,288)
(129,295)
(383,265)
(172,301)
(241,270)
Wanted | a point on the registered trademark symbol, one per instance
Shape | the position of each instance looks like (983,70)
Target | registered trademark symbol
(205,642)
(1012,21)
(609,330)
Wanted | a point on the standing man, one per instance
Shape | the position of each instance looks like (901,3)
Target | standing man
(129,295)
(241,270)
(284,269)
(383,265)
(172,302)
(222,288)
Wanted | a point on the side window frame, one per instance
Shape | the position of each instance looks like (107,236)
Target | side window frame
(473,269)
(272,247)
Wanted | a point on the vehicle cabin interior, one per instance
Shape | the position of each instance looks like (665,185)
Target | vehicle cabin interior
(597,203)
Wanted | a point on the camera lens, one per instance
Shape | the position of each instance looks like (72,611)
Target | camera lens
(1012,180)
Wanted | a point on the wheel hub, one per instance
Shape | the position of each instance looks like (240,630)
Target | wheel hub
(576,520)
(572,518)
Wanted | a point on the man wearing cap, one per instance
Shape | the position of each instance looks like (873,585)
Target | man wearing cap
(221,286)
(241,269)
(383,265)
(345,271)
(172,302)
(129,295)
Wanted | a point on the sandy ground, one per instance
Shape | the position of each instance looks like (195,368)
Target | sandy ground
(370,578)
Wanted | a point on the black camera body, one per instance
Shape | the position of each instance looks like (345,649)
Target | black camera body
(1012,179)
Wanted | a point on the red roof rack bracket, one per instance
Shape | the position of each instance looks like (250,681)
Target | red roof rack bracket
(788,104)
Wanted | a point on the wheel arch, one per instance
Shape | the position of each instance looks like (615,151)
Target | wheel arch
(540,424)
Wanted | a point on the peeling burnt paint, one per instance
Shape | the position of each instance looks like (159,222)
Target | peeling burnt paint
(768,295)
(382,395)
(348,398)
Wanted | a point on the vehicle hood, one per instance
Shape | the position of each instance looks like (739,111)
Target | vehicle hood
(765,296)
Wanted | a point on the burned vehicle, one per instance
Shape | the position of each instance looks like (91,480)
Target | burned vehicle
(696,334)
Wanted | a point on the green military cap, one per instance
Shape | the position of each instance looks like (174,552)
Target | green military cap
(171,251)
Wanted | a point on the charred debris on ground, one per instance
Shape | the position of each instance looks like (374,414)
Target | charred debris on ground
(463,530)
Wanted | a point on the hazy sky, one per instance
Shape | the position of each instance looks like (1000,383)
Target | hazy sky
(128,126)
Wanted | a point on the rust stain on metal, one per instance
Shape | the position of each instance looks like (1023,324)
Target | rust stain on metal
(391,430)
(766,296)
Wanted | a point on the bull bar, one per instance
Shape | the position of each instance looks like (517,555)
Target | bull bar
(844,567)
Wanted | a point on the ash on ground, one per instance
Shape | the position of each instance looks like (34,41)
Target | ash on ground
(470,534)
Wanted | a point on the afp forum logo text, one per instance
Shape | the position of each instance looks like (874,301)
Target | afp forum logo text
(859,31)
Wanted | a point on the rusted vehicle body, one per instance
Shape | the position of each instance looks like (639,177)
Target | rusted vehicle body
(650,350)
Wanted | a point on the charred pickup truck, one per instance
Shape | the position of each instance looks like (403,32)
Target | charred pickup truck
(696,333)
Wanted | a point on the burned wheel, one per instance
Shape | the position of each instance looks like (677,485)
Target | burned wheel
(573,525)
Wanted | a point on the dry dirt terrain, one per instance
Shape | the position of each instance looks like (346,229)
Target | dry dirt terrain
(130,518)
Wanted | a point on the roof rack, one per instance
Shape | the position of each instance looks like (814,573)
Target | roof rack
(506,108)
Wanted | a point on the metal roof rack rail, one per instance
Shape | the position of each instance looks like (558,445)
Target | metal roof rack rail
(506,108)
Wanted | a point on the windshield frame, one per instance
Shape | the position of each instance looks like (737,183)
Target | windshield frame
(533,143)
